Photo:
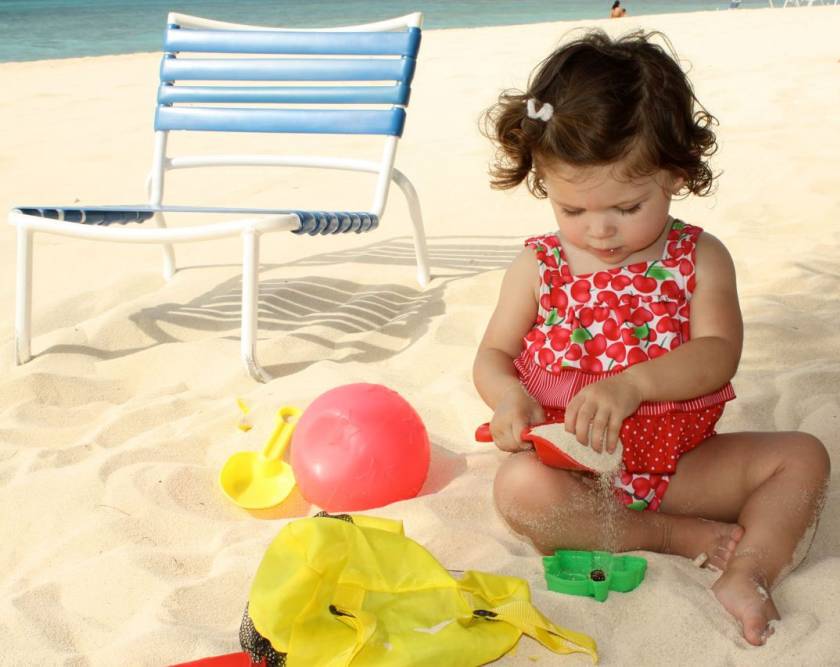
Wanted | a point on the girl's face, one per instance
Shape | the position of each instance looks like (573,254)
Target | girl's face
(606,215)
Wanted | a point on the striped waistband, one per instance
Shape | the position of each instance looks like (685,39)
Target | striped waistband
(556,390)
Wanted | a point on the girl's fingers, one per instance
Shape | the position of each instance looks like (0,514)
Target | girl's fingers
(507,438)
(501,436)
(537,415)
(598,432)
(511,441)
(612,433)
(584,423)
(516,436)
(570,417)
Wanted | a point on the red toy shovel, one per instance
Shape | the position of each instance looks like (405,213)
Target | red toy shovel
(547,452)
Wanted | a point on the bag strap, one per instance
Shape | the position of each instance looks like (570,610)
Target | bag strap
(522,615)
(509,599)
(519,613)
(363,622)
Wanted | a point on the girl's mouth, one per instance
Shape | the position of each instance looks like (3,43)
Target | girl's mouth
(606,253)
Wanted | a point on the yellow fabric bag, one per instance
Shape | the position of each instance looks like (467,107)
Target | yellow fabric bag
(332,592)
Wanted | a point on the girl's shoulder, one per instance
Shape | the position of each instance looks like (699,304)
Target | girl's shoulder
(711,255)
(685,238)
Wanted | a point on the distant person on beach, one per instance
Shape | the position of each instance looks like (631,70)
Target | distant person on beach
(623,323)
(617,10)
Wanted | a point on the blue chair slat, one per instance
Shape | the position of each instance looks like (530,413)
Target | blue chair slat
(311,222)
(404,43)
(390,94)
(323,222)
(303,121)
(287,69)
(306,222)
(347,222)
(105,215)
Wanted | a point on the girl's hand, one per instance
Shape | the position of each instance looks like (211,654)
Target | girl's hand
(596,413)
(516,411)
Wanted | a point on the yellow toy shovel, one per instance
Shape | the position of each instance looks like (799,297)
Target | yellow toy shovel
(257,480)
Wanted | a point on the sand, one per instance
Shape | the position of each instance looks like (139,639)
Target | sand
(598,461)
(119,547)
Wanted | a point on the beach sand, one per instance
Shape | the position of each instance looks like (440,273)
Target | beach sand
(119,548)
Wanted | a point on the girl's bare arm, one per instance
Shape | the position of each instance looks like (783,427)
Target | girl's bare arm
(516,310)
(493,371)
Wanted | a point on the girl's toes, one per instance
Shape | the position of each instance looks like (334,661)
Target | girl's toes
(756,628)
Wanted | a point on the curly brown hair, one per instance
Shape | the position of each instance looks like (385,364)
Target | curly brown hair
(613,99)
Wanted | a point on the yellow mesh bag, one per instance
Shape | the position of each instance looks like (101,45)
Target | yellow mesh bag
(358,592)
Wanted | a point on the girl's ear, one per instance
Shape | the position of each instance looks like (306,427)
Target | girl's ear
(677,183)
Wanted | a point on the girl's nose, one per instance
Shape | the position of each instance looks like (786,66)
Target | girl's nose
(601,229)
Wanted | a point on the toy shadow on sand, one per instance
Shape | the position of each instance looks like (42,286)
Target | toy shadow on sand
(444,467)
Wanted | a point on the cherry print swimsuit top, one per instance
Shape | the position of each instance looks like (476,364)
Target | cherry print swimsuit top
(593,325)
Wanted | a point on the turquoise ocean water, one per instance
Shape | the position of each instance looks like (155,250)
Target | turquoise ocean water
(39,29)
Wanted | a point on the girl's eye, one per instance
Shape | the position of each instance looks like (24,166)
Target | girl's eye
(631,210)
(571,213)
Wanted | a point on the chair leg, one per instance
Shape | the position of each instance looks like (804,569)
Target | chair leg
(250,302)
(420,250)
(168,252)
(23,303)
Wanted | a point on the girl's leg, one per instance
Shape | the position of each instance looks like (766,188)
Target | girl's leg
(559,509)
(773,485)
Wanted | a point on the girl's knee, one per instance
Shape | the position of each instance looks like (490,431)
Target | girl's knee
(513,478)
(808,455)
(525,487)
(813,454)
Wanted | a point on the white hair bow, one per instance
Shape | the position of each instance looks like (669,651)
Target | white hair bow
(545,113)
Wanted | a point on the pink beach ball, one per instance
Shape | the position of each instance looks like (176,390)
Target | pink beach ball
(359,446)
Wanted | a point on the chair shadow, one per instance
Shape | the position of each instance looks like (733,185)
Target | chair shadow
(444,254)
(329,312)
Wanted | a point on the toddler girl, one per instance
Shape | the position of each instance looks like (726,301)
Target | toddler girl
(624,323)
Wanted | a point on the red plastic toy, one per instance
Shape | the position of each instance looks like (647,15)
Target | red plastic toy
(547,451)
(359,446)
(229,660)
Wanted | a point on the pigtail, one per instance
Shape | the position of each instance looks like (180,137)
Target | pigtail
(516,136)
(700,176)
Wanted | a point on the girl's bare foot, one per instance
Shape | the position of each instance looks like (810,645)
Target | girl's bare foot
(716,539)
(743,592)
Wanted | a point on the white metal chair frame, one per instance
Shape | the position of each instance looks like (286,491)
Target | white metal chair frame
(250,227)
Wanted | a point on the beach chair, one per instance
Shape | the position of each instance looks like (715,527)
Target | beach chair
(226,77)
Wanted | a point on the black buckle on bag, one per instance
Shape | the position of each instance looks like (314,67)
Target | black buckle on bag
(485,614)
(335,611)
